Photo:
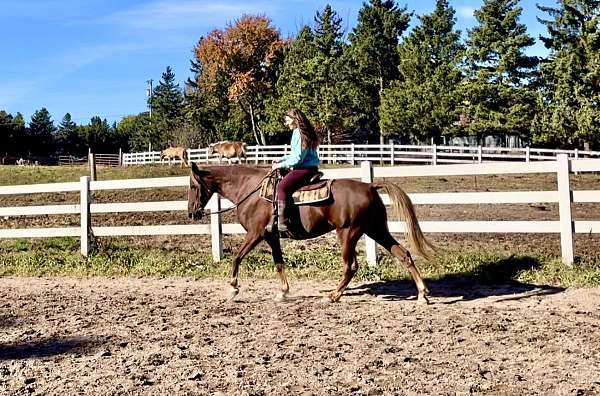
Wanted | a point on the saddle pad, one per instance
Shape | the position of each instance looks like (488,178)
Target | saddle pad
(312,193)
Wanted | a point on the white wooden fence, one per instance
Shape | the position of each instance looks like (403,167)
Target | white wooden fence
(392,154)
(562,167)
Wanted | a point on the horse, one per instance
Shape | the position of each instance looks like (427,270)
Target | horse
(175,152)
(354,209)
(228,149)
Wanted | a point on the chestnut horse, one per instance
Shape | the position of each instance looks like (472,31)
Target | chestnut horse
(355,209)
(228,149)
(175,152)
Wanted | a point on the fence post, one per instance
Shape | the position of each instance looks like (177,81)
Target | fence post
(92,161)
(576,157)
(479,154)
(392,153)
(256,154)
(120,157)
(564,208)
(352,161)
(434,154)
(366,171)
(527,154)
(85,219)
(216,229)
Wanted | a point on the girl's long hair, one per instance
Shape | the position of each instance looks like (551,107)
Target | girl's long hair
(307,131)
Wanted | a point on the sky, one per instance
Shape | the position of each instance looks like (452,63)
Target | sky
(94,57)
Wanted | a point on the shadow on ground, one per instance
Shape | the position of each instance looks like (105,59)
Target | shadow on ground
(493,278)
(48,347)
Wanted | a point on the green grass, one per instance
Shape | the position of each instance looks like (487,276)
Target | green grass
(60,257)
(15,175)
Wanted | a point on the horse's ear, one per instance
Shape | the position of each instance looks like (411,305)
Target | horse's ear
(197,172)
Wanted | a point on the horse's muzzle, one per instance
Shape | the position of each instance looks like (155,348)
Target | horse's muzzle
(195,215)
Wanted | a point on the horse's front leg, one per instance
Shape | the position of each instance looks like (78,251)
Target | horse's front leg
(348,238)
(275,245)
(252,239)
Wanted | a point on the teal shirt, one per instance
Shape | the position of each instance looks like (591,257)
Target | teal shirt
(299,158)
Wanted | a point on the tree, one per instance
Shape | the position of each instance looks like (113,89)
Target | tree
(138,131)
(40,134)
(244,58)
(67,137)
(295,87)
(167,99)
(422,103)
(329,49)
(97,135)
(373,54)
(570,78)
(498,96)
(12,133)
(200,124)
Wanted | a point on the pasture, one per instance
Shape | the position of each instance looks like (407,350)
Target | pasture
(148,315)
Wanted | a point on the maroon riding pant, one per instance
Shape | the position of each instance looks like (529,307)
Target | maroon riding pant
(293,180)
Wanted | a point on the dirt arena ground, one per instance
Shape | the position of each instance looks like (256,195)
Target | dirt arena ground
(181,336)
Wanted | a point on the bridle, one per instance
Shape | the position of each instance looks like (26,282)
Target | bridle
(202,183)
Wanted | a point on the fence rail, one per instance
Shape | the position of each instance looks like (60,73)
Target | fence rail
(562,167)
(392,154)
(99,158)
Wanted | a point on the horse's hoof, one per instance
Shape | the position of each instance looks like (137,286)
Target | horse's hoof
(280,297)
(334,297)
(423,300)
(233,292)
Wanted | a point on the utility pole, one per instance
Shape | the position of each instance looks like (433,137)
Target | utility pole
(149,94)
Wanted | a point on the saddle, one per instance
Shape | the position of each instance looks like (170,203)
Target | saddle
(316,190)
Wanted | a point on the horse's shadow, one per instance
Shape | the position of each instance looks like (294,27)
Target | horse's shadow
(495,278)
(47,347)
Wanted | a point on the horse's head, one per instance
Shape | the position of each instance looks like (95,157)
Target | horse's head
(199,192)
(211,148)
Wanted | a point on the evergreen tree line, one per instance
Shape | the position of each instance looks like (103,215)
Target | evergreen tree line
(378,81)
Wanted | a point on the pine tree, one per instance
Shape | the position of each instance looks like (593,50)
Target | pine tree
(570,80)
(373,54)
(166,103)
(40,134)
(310,78)
(327,62)
(67,138)
(422,104)
(498,97)
(295,87)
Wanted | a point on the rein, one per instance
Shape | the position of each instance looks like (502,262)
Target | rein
(246,197)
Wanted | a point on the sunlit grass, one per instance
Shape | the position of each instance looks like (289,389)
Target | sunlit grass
(60,257)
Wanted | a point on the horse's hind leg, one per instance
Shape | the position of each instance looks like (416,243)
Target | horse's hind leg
(348,238)
(249,243)
(385,239)
(275,245)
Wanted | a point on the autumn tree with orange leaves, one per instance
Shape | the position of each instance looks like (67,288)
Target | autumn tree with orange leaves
(245,57)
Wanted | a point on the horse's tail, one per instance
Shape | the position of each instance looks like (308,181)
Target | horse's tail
(403,208)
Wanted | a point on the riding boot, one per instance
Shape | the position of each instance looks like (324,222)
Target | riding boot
(282,219)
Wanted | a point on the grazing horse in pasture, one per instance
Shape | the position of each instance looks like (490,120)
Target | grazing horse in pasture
(228,149)
(175,152)
(355,208)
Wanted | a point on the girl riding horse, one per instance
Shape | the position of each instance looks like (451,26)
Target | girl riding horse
(299,166)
